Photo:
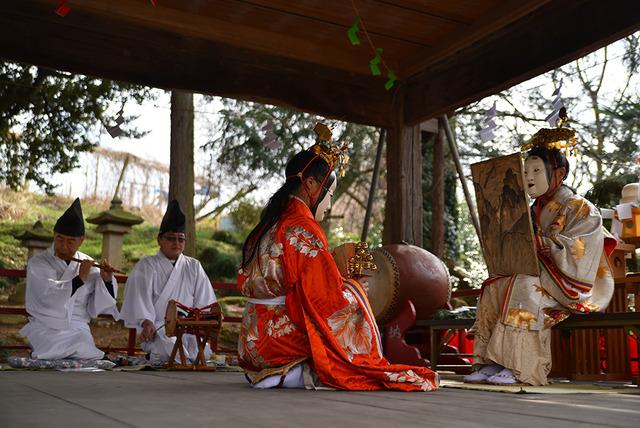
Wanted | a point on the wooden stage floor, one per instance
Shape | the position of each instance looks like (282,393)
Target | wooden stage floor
(224,399)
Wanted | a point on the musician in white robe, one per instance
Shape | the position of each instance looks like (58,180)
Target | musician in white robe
(516,312)
(63,294)
(168,275)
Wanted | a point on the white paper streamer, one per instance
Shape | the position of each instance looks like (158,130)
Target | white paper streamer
(606,213)
(557,104)
(624,211)
(489,123)
(270,138)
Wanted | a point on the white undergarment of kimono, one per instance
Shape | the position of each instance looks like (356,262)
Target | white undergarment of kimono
(58,324)
(515,313)
(154,281)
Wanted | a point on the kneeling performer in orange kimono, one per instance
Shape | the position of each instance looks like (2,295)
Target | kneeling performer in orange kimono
(305,325)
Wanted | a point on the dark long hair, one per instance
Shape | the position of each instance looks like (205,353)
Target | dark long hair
(314,166)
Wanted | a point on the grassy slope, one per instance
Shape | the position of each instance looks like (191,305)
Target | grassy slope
(19,211)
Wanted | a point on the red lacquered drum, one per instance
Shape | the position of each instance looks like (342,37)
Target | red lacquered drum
(406,272)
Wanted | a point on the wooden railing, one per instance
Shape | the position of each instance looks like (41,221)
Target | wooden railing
(131,341)
(576,341)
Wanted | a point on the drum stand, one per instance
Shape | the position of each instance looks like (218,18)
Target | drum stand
(203,323)
(396,349)
(431,341)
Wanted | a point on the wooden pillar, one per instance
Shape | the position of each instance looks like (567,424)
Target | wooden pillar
(437,208)
(403,208)
(181,175)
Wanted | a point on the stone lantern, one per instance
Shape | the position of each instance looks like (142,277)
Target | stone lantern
(113,224)
(35,239)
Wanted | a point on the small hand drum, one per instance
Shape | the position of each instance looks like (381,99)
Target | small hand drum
(204,323)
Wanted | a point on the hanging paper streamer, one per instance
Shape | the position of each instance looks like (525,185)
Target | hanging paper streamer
(270,139)
(391,80)
(116,131)
(352,33)
(557,104)
(373,64)
(489,124)
(63,8)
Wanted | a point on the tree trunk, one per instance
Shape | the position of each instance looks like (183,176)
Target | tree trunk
(181,174)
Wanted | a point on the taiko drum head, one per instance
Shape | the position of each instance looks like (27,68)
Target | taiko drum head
(406,272)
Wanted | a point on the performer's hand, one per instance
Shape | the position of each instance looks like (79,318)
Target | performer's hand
(85,269)
(341,255)
(364,281)
(148,331)
(106,270)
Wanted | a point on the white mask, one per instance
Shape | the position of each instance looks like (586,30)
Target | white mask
(535,176)
(325,203)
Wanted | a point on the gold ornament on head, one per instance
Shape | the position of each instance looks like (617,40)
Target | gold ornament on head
(332,154)
(361,263)
(554,138)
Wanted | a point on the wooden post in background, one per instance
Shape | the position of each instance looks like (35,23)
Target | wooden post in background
(181,175)
(437,206)
(403,208)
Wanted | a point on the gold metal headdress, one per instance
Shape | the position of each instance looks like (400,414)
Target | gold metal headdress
(361,263)
(332,154)
(554,138)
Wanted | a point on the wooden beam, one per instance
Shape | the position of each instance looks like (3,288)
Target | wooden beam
(249,25)
(403,208)
(508,12)
(430,126)
(553,35)
(105,47)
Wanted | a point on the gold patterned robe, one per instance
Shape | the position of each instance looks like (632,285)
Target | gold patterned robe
(516,312)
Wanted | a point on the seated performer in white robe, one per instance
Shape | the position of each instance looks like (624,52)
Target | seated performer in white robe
(516,312)
(154,280)
(63,295)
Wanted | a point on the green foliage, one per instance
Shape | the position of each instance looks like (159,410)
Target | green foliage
(219,265)
(48,117)
(245,215)
(469,269)
(230,304)
(606,193)
(226,236)
(450,202)
(140,242)
(239,152)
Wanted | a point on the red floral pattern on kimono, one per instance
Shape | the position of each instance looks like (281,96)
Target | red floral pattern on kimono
(326,321)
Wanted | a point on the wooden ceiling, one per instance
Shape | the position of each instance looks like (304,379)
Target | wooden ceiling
(296,52)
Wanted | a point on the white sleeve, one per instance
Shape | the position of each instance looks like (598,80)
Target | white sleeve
(137,303)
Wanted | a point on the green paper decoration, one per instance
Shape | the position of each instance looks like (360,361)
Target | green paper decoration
(391,80)
(352,33)
(373,64)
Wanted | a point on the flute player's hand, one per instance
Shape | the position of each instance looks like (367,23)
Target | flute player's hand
(106,270)
(85,269)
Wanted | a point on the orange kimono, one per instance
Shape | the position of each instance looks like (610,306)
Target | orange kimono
(301,310)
